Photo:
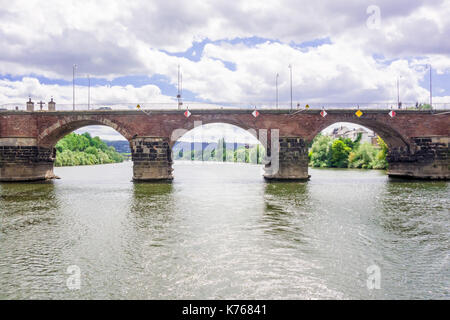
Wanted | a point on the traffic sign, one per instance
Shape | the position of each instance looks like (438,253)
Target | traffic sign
(359,113)
(255,113)
(187,113)
(323,113)
(392,113)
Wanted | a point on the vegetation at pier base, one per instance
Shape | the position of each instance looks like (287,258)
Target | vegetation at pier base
(345,153)
(81,149)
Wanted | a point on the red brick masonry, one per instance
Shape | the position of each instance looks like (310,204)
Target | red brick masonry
(418,140)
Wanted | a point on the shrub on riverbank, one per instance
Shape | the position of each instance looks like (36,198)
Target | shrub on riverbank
(81,149)
(345,153)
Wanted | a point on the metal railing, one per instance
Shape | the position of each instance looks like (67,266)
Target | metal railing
(195,105)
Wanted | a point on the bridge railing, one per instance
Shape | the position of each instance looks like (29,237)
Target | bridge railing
(229,106)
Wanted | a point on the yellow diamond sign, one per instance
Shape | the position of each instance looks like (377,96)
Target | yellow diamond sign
(138,106)
(359,113)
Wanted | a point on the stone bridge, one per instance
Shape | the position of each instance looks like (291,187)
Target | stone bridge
(418,141)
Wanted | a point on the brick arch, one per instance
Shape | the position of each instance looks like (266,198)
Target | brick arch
(243,121)
(190,126)
(392,137)
(51,135)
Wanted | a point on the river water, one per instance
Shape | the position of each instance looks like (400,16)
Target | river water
(219,231)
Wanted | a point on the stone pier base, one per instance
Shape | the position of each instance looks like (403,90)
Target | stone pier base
(20,161)
(429,160)
(152,159)
(289,162)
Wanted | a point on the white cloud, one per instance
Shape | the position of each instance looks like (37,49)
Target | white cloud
(120,38)
(214,131)
(14,93)
(105,133)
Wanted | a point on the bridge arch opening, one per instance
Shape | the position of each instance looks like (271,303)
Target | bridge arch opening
(350,145)
(50,136)
(392,137)
(88,146)
(218,142)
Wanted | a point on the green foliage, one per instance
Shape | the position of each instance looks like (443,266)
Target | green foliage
(362,157)
(339,154)
(425,106)
(369,157)
(380,161)
(320,154)
(75,149)
(345,153)
(254,154)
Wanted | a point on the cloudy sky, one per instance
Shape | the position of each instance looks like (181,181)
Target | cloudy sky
(229,51)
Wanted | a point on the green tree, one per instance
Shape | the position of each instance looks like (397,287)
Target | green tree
(363,156)
(380,161)
(342,153)
(75,149)
(320,154)
(339,154)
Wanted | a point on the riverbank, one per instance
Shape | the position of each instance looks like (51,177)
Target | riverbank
(81,149)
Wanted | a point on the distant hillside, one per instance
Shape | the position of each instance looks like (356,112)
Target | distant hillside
(184,145)
(121,146)
(81,149)
(208,151)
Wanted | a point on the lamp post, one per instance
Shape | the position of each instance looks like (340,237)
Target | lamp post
(276,85)
(290,68)
(431,91)
(398,91)
(89,92)
(180,88)
(73,85)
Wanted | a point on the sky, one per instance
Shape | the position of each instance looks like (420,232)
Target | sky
(228,51)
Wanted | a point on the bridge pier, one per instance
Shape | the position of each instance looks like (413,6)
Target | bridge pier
(152,159)
(428,158)
(288,160)
(22,160)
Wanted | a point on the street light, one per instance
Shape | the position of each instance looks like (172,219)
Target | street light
(398,91)
(431,91)
(73,85)
(89,92)
(290,68)
(276,85)
(180,88)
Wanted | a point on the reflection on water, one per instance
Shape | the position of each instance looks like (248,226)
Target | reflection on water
(38,198)
(220,231)
(416,221)
(284,221)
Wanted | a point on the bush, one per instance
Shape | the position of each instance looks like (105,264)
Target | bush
(362,157)
(76,150)
(339,154)
(345,153)
(320,154)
